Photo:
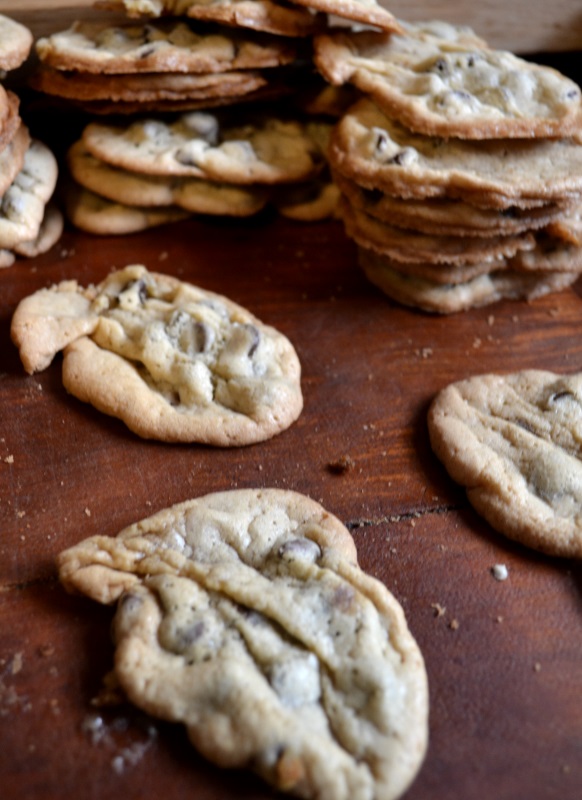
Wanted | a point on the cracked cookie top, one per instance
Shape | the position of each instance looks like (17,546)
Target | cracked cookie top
(172,361)
(244,616)
(513,441)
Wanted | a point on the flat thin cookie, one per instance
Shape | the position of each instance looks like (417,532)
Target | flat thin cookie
(466,92)
(513,441)
(135,189)
(244,616)
(146,88)
(97,215)
(487,288)
(406,246)
(172,361)
(378,153)
(285,19)
(447,216)
(161,46)
(201,145)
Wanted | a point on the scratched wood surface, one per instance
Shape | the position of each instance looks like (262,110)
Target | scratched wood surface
(503,658)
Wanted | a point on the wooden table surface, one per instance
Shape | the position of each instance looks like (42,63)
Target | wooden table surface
(504,659)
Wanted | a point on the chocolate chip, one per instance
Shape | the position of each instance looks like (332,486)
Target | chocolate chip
(147,51)
(381,142)
(440,66)
(300,550)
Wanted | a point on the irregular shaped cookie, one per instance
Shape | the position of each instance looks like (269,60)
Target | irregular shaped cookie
(432,296)
(95,214)
(282,18)
(22,206)
(244,616)
(513,441)
(200,145)
(172,361)
(160,46)
(338,53)
(547,256)
(263,14)
(366,12)
(378,153)
(468,92)
(15,43)
(134,189)
(148,87)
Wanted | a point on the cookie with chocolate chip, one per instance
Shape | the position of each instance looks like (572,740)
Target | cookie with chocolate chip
(471,287)
(266,149)
(513,442)
(194,195)
(244,616)
(452,87)
(289,19)
(23,204)
(377,152)
(173,45)
(173,361)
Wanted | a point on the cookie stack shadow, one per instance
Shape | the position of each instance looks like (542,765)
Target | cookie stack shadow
(30,223)
(460,167)
(219,91)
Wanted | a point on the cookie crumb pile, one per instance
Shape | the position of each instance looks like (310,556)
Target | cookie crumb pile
(29,223)
(460,166)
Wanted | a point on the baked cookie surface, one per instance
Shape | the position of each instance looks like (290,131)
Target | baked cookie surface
(172,361)
(244,616)
(513,442)
(270,16)
(136,189)
(16,41)
(22,205)
(376,152)
(450,87)
(204,145)
(160,46)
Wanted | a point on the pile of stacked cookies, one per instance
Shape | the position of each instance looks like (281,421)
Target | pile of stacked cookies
(183,150)
(29,225)
(460,166)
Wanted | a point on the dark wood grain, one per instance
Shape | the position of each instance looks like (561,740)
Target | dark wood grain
(505,684)
(504,659)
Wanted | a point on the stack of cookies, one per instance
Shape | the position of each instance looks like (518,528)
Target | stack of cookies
(175,76)
(460,167)
(151,170)
(28,169)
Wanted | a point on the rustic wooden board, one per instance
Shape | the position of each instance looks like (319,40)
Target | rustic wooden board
(505,685)
(503,659)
